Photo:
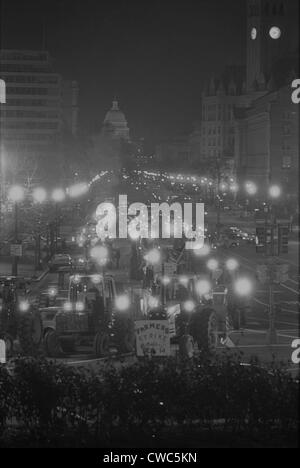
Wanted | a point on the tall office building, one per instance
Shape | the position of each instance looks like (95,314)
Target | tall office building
(39,107)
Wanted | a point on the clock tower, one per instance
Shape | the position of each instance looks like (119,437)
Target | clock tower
(269,38)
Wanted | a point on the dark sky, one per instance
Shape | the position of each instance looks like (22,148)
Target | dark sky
(155,55)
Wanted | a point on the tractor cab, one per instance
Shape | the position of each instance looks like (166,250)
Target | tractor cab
(89,318)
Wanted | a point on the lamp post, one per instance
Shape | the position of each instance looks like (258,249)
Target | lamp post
(251,189)
(39,196)
(16,195)
(58,196)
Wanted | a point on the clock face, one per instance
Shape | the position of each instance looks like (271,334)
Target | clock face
(253,33)
(275,32)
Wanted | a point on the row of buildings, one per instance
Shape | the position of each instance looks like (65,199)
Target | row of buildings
(39,123)
(40,109)
(249,124)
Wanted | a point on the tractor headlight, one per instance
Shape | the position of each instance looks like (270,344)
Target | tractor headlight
(67,306)
(24,306)
(96,279)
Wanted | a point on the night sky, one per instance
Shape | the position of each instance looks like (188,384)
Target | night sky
(154,55)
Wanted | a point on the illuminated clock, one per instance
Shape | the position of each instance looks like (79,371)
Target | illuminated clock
(253,33)
(275,32)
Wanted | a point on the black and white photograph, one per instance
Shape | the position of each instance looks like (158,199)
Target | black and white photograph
(149,227)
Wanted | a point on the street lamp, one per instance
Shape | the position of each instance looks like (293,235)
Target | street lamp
(58,195)
(153,257)
(77,190)
(251,188)
(100,254)
(39,195)
(212,264)
(274,191)
(231,264)
(16,194)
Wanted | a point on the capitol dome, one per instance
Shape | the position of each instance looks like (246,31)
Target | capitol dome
(115,123)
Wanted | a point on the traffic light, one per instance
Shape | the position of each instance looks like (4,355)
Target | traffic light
(283,240)
(261,239)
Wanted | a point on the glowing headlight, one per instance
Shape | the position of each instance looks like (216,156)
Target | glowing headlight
(122,302)
(67,306)
(243,287)
(203,287)
(52,292)
(153,302)
(96,279)
(24,306)
(79,306)
(189,306)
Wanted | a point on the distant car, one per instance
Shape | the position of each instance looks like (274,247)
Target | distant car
(228,241)
(60,260)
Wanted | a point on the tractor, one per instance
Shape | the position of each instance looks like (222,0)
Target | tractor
(93,315)
(19,319)
(195,309)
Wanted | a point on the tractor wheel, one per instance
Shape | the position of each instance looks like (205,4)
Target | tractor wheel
(68,345)
(52,344)
(101,344)
(186,346)
(204,328)
(9,344)
(30,332)
(124,334)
